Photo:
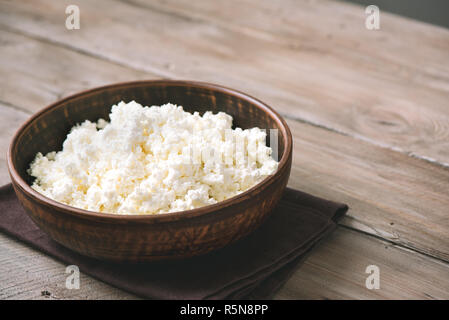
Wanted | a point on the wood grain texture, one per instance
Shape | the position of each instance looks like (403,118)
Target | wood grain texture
(426,239)
(28,274)
(11,119)
(336,270)
(373,85)
(36,73)
(390,195)
(4,176)
(388,88)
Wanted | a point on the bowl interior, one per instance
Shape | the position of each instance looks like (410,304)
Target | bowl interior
(47,131)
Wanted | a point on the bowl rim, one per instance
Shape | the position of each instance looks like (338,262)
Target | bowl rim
(169,216)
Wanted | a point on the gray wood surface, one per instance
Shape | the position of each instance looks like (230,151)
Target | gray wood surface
(368,114)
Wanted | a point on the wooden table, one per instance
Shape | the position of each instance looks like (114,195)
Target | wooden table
(369,111)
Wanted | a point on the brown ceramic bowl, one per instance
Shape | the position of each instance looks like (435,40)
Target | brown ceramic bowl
(134,238)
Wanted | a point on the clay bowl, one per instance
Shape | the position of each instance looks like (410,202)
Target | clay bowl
(137,238)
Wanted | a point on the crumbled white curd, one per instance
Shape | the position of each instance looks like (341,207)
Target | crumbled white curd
(150,160)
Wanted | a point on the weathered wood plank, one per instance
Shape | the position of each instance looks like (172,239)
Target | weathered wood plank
(28,274)
(4,176)
(336,270)
(35,73)
(409,79)
(11,119)
(411,191)
(376,86)
(390,194)
(294,23)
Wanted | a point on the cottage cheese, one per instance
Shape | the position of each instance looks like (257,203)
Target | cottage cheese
(150,160)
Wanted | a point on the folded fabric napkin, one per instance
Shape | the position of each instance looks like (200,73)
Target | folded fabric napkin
(253,268)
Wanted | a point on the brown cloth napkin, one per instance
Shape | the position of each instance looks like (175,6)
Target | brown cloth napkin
(252,268)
